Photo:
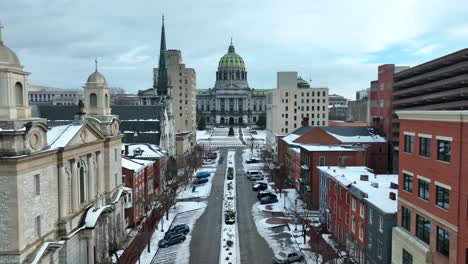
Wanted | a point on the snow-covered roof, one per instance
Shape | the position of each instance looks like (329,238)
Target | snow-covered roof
(60,136)
(131,165)
(149,150)
(325,148)
(377,187)
(358,138)
(92,216)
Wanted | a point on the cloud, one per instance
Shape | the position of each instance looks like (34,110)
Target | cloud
(428,49)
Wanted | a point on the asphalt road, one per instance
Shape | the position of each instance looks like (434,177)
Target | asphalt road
(206,236)
(253,248)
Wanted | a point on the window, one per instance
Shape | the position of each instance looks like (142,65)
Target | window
(322,161)
(369,239)
(369,211)
(37,184)
(407,182)
(361,232)
(115,154)
(353,204)
(380,223)
(423,189)
(442,197)
(406,218)
(361,210)
(93,100)
(409,144)
(82,183)
(352,224)
(379,249)
(443,150)
(38,226)
(19,94)
(443,241)
(423,229)
(407,257)
(425,147)
(346,217)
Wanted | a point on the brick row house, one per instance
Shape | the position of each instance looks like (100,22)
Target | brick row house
(330,146)
(360,210)
(433,176)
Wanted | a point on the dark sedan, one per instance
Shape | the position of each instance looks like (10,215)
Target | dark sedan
(176,230)
(268,200)
(176,239)
(261,186)
(260,195)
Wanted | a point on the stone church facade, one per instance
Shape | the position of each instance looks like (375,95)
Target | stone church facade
(231,101)
(60,187)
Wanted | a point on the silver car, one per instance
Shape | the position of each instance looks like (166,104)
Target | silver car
(288,256)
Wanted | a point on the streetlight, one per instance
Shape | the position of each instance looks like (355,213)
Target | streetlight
(295,215)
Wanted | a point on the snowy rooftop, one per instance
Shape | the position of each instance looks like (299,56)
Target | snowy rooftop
(131,165)
(378,196)
(60,136)
(325,148)
(149,150)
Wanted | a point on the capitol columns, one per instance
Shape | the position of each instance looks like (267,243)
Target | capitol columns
(92,177)
(74,185)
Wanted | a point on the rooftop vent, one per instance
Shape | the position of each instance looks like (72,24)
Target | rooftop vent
(375,184)
(364,177)
(392,196)
(137,151)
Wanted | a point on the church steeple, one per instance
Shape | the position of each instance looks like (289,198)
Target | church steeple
(162,85)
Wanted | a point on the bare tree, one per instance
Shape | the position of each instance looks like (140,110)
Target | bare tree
(280,176)
(116,90)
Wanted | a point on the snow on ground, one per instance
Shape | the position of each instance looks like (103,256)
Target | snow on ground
(203,134)
(247,154)
(201,191)
(181,207)
(218,137)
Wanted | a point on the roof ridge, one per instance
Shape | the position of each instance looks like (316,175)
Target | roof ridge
(52,143)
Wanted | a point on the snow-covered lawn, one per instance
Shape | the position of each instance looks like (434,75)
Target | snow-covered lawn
(247,154)
(183,252)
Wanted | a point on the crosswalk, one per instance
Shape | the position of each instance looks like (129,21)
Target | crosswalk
(179,253)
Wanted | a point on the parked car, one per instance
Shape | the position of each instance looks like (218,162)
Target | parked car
(261,186)
(229,217)
(288,256)
(203,175)
(251,173)
(211,155)
(251,161)
(209,162)
(260,195)
(176,230)
(199,181)
(268,200)
(257,177)
(176,239)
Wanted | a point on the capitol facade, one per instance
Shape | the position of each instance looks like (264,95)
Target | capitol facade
(231,101)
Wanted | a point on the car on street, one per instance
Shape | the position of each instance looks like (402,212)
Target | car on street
(178,229)
(261,186)
(202,175)
(199,181)
(260,195)
(288,256)
(251,173)
(251,161)
(176,239)
(268,200)
(209,162)
(258,177)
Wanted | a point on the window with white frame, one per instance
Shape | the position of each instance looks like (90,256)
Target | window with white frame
(361,210)
(353,204)
(369,212)
(361,231)
(353,222)
(381,223)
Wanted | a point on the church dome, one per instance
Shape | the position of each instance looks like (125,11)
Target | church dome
(231,60)
(7,56)
(301,83)
(97,77)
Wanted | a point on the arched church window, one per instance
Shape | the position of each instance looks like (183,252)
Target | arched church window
(93,100)
(19,94)
(83,181)
(107,100)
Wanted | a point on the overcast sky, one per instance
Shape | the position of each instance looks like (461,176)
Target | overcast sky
(337,44)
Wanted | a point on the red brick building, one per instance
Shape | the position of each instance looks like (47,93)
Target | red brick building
(433,180)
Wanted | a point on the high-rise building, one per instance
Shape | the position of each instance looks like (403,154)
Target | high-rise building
(231,101)
(433,175)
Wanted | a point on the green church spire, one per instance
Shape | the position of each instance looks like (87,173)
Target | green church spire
(162,85)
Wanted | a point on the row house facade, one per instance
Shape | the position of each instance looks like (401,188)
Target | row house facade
(433,175)
(360,211)
(330,146)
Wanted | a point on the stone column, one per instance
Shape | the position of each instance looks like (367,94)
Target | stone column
(91,179)
(90,244)
(63,190)
(100,172)
(74,185)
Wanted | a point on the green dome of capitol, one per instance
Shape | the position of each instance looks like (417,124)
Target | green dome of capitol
(301,83)
(231,60)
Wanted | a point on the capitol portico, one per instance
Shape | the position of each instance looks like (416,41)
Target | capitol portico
(231,101)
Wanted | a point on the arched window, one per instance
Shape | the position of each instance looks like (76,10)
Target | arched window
(19,94)
(93,100)
(107,100)
(83,181)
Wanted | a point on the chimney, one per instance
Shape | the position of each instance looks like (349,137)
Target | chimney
(392,196)
(305,121)
(126,150)
(364,177)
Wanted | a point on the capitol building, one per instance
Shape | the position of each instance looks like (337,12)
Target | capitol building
(231,101)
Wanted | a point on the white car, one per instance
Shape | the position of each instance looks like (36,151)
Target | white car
(288,256)
(258,177)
